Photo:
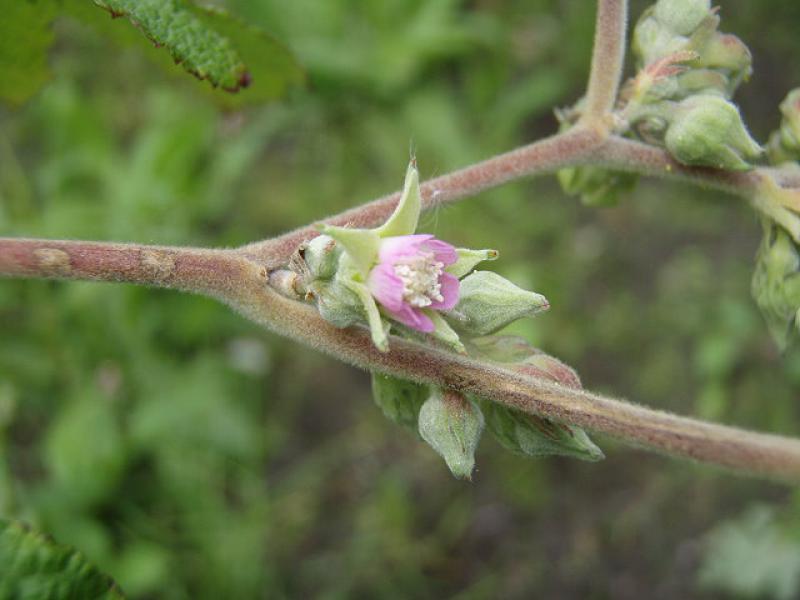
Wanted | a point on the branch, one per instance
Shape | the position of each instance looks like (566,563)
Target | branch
(210,272)
(579,146)
(574,147)
(764,455)
(608,61)
(240,282)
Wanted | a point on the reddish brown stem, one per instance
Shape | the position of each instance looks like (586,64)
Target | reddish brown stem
(210,272)
(544,156)
(608,59)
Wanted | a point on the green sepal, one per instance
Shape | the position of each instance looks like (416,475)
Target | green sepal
(361,245)
(336,303)
(469,259)
(452,425)
(444,332)
(377,328)
(400,400)
(535,436)
(405,217)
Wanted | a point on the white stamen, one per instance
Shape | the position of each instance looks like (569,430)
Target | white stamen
(420,276)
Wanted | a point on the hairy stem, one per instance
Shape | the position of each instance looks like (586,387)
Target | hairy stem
(241,283)
(210,272)
(579,146)
(608,60)
(545,156)
(764,455)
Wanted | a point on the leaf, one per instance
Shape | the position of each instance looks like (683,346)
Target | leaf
(213,46)
(25,36)
(34,567)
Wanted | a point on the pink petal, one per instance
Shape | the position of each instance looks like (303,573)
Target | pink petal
(401,246)
(442,251)
(450,288)
(412,317)
(386,287)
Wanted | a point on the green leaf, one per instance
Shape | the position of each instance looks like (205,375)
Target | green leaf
(25,36)
(213,46)
(33,567)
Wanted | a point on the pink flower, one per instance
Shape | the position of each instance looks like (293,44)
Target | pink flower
(410,278)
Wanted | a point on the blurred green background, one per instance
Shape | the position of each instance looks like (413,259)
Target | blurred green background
(192,455)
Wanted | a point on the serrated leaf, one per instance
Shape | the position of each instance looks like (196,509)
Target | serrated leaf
(25,36)
(34,567)
(212,45)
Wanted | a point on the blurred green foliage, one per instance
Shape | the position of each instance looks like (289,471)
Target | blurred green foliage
(191,455)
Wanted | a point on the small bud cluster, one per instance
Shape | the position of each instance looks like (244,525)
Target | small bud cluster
(681,95)
(776,283)
(784,144)
(680,98)
(452,423)
(776,279)
(595,186)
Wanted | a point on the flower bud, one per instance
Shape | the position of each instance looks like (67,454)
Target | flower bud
(682,16)
(452,426)
(321,256)
(700,81)
(784,144)
(336,303)
(399,400)
(653,40)
(596,186)
(548,367)
(533,436)
(776,283)
(708,131)
(728,55)
(489,302)
(521,432)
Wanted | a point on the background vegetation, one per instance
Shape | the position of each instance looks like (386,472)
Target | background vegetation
(191,455)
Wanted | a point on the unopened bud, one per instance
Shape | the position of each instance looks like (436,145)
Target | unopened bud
(653,40)
(399,400)
(548,367)
(596,186)
(452,425)
(776,283)
(784,144)
(336,304)
(489,302)
(321,256)
(682,16)
(728,54)
(707,130)
(534,436)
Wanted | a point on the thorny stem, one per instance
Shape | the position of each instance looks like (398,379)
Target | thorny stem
(608,60)
(240,279)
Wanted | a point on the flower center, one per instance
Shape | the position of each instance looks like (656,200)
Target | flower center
(420,276)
